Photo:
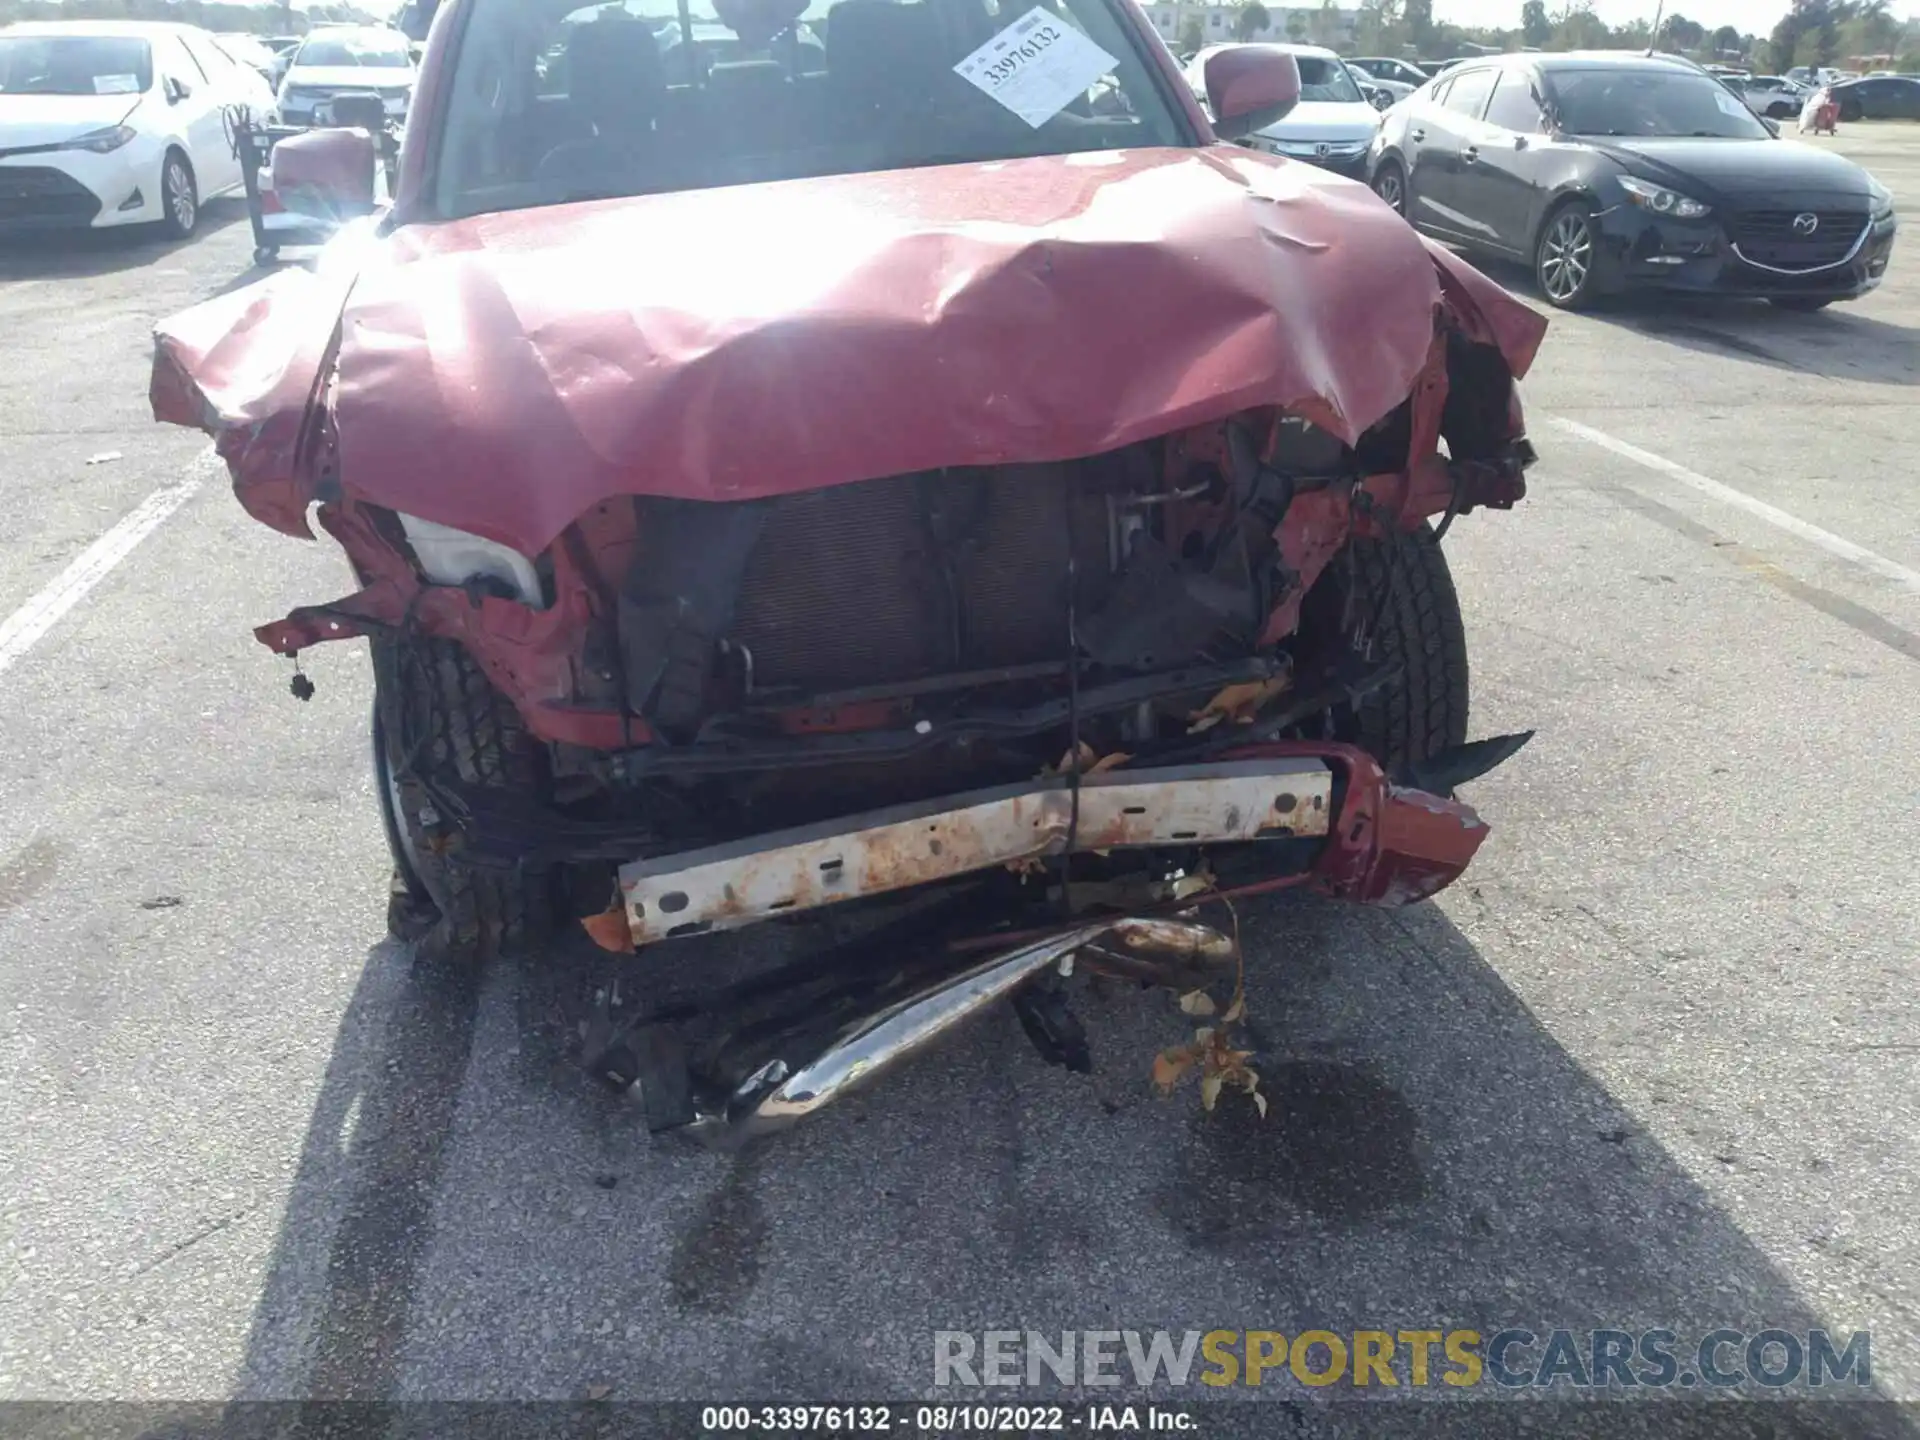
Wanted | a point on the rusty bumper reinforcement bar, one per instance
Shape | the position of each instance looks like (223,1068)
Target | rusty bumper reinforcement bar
(728,886)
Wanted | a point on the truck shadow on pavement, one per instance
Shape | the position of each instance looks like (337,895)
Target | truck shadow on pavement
(472,1218)
(79,253)
(1839,343)
(1842,342)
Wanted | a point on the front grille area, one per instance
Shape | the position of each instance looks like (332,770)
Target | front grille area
(38,194)
(919,575)
(1768,237)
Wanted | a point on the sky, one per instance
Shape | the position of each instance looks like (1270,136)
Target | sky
(1753,17)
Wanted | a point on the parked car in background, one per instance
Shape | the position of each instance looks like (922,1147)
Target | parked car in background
(1773,96)
(1385,67)
(282,48)
(1608,172)
(1331,126)
(1885,97)
(347,58)
(247,50)
(1381,94)
(107,122)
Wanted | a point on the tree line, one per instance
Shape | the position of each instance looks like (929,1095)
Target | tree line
(1814,32)
(216,15)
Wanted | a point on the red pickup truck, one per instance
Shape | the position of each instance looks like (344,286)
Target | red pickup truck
(896,469)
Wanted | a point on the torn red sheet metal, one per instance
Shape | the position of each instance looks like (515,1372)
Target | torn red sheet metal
(505,373)
(1390,845)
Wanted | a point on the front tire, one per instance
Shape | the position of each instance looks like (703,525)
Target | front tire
(179,197)
(1405,580)
(437,714)
(1565,256)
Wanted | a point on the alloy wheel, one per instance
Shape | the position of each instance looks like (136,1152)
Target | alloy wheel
(1389,187)
(182,208)
(1566,257)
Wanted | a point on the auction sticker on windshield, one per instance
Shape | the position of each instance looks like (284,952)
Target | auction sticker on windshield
(1037,66)
(116,84)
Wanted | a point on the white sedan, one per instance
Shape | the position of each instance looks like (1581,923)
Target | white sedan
(117,123)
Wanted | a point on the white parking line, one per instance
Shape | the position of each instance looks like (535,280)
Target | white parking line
(23,627)
(1727,495)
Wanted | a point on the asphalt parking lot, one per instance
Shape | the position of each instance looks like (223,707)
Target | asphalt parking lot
(1651,1064)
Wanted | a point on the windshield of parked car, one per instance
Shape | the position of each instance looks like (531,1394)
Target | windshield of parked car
(1322,79)
(381,52)
(552,103)
(1649,102)
(74,65)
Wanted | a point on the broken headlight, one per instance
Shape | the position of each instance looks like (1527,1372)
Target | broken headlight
(455,557)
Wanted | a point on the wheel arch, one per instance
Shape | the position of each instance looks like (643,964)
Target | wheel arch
(1569,192)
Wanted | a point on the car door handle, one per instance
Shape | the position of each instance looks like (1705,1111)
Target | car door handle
(1470,154)
(1419,134)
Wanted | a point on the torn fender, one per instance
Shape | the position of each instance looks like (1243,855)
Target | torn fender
(246,368)
(1390,844)
(504,373)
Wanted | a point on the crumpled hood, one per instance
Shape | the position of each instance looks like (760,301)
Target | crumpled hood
(504,373)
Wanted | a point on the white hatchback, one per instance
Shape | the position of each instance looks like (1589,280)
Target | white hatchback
(117,123)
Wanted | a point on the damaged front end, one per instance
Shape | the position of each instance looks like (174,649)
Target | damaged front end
(1008,715)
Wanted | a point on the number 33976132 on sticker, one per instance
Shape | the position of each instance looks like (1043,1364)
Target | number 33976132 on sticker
(1036,66)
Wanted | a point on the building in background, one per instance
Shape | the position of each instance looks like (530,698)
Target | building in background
(1215,24)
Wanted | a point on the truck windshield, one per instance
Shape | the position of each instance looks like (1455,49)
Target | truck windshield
(553,103)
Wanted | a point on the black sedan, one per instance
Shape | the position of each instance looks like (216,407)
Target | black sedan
(1879,97)
(1610,172)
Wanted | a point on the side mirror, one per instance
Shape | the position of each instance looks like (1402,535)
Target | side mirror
(1248,87)
(177,90)
(325,174)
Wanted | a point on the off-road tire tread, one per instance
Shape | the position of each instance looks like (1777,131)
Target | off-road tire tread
(476,736)
(1425,711)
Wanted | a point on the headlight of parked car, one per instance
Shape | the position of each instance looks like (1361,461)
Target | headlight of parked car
(1882,199)
(103,142)
(1660,200)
